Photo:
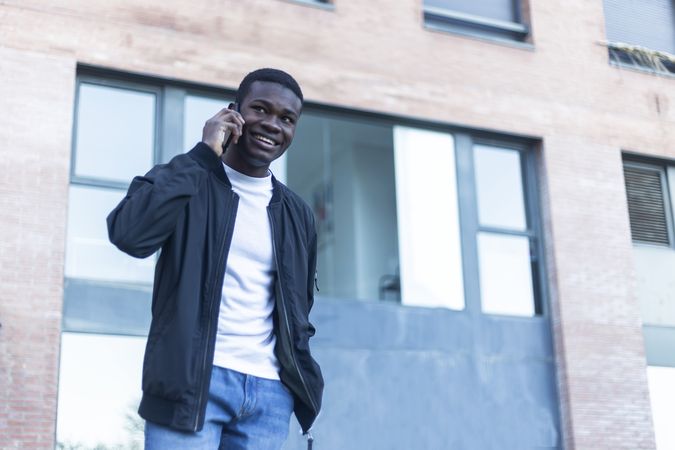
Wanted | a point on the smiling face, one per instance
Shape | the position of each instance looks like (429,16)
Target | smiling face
(271,112)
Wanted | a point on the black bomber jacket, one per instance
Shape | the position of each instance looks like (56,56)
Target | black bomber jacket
(187,208)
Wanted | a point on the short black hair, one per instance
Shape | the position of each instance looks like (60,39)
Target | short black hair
(272,76)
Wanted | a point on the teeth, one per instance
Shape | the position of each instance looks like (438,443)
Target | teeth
(264,139)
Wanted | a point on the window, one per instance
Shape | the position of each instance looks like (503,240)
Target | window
(327,4)
(495,19)
(504,240)
(456,252)
(659,342)
(650,189)
(388,202)
(98,400)
(641,33)
(662,395)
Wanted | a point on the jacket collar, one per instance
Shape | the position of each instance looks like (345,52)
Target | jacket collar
(206,158)
(277,191)
(203,154)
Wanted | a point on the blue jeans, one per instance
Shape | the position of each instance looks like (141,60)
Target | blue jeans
(243,413)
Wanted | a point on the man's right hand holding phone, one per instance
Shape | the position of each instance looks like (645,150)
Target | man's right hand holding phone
(226,125)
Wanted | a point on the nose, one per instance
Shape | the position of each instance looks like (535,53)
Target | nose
(270,124)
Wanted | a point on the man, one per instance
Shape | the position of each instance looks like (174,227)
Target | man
(227,358)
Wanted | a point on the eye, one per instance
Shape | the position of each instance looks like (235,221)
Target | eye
(288,119)
(258,108)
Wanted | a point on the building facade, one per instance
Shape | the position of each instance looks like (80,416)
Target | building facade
(494,186)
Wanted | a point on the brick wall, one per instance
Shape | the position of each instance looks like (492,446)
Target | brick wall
(37,95)
(596,317)
(367,55)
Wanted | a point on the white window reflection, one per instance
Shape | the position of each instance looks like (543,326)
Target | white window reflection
(115,133)
(662,394)
(199,109)
(99,392)
(499,188)
(428,219)
(505,274)
(89,253)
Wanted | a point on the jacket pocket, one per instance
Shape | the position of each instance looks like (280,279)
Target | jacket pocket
(156,344)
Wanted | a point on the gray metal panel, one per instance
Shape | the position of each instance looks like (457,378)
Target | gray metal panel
(172,123)
(432,379)
(648,23)
(659,345)
(468,204)
(93,307)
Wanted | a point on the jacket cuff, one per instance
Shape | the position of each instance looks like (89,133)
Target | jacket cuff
(205,156)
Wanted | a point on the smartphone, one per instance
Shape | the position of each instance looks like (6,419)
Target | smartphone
(234,106)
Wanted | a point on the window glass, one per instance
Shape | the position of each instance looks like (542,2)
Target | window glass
(494,9)
(662,395)
(115,133)
(344,169)
(505,274)
(499,188)
(429,238)
(99,392)
(199,109)
(89,253)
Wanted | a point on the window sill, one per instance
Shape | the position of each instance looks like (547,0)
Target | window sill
(482,28)
(471,19)
(310,3)
(482,38)
(641,69)
(641,59)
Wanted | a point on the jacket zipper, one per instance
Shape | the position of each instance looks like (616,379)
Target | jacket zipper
(220,269)
(283,307)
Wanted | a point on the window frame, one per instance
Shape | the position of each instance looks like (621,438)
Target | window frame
(660,166)
(466,24)
(78,317)
(116,84)
(326,5)
(470,225)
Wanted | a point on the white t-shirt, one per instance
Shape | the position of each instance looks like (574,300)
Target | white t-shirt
(245,339)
